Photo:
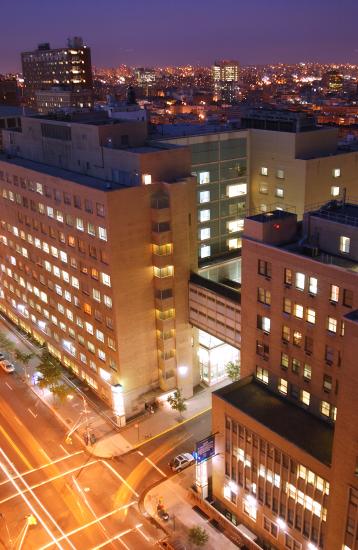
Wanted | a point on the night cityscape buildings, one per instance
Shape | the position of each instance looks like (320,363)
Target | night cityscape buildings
(178,288)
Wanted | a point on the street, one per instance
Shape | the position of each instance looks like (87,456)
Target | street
(79,501)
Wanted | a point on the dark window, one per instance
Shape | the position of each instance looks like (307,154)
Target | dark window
(163,294)
(77,201)
(309,345)
(265,268)
(262,349)
(347,298)
(288,277)
(100,210)
(327,383)
(160,227)
(88,206)
(329,355)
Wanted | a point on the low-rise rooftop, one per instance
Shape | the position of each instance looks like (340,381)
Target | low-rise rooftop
(81,179)
(289,421)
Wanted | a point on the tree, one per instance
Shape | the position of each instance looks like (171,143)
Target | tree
(61,391)
(232,370)
(198,536)
(50,370)
(24,358)
(5,343)
(177,402)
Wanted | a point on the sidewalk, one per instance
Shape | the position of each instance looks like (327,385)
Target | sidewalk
(173,493)
(110,439)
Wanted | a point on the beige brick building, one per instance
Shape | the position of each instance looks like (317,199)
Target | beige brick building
(97,243)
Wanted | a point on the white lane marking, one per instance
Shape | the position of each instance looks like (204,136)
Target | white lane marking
(45,454)
(33,414)
(18,421)
(116,537)
(48,480)
(65,450)
(93,522)
(8,385)
(140,453)
(138,527)
(38,501)
(45,465)
(33,510)
(120,477)
(155,466)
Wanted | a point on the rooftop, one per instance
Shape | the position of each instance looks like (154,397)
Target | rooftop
(169,131)
(81,179)
(289,421)
(265,217)
(7,111)
(339,212)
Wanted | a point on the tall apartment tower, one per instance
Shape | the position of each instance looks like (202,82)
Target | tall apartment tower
(288,430)
(68,67)
(226,80)
(97,244)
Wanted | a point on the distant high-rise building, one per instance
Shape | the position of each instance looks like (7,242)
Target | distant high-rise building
(68,67)
(332,81)
(226,80)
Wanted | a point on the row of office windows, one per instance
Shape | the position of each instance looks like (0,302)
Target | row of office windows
(57,195)
(280,173)
(327,410)
(79,223)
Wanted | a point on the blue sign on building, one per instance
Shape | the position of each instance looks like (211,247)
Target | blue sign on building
(205,449)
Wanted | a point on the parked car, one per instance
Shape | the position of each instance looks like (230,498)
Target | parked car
(7,366)
(181,461)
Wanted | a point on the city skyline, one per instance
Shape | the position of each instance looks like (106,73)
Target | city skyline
(254,34)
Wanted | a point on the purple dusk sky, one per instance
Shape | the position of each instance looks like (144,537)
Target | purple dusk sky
(164,32)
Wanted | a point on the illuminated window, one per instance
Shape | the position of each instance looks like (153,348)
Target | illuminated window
(336,172)
(233,243)
(282,386)
(236,190)
(204,215)
(307,372)
(286,333)
(204,233)
(204,177)
(264,323)
(146,179)
(325,408)
(305,397)
(250,508)
(279,192)
(284,360)
(297,338)
(91,229)
(102,233)
(107,301)
(235,225)
(287,305)
(89,327)
(262,374)
(334,294)
(87,309)
(288,277)
(298,311)
(205,251)
(166,271)
(334,191)
(332,324)
(79,224)
(310,315)
(313,285)
(344,244)
(264,171)
(300,281)
(263,207)
(106,279)
(204,196)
